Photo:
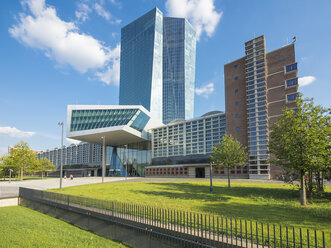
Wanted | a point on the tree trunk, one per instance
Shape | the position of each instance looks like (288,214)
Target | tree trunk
(42,175)
(229,178)
(303,189)
(22,173)
(310,184)
(322,182)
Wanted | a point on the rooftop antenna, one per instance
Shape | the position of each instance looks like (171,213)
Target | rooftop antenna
(286,40)
(294,39)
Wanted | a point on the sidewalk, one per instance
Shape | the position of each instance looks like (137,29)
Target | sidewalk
(10,189)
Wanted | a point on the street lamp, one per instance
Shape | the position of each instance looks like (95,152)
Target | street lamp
(10,171)
(103,158)
(61,164)
(211,176)
(126,161)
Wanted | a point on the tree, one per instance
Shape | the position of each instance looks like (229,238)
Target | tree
(6,164)
(45,165)
(300,140)
(228,154)
(21,158)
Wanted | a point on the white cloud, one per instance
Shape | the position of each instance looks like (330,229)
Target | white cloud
(303,81)
(60,40)
(201,14)
(72,141)
(205,90)
(112,73)
(102,12)
(15,133)
(82,12)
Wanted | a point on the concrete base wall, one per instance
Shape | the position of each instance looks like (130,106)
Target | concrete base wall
(259,177)
(122,233)
(9,202)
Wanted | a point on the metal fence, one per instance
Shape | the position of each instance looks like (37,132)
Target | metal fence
(193,229)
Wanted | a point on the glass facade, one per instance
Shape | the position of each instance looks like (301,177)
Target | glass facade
(140,121)
(134,157)
(257,110)
(141,63)
(88,119)
(179,47)
(158,66)
(190,137)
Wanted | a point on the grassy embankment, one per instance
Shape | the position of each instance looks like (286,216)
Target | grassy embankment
(23,227)
(266,203)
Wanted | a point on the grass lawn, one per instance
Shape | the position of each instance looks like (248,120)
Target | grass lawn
(266,203)
(24,227)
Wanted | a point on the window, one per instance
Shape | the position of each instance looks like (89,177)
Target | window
(237,115)
(235,78)
(235,66)
(291,82)
(237,128)
(237,103)
(292,67)
(291,97)
(236,90)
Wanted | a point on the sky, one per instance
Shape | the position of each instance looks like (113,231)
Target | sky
(58,52)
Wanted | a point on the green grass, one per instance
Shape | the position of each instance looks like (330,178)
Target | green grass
(23,227)
(266,203)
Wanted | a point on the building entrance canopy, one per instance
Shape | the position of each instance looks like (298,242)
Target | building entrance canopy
(120,125)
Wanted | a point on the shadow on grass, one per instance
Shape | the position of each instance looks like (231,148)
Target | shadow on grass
(266,207)
(200,191)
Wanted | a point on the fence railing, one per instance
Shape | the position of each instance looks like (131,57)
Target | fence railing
(199,230)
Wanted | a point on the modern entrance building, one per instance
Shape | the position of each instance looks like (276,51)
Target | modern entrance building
(124,128)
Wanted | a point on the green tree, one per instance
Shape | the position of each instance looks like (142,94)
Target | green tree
(228,154)
(21,158)
(45,165)
(6,163)
(300,140)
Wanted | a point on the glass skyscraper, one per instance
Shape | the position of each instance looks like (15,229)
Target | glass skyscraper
(179,45)
(141,63)
(158,66)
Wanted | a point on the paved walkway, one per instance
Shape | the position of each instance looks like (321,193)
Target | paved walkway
(10,189)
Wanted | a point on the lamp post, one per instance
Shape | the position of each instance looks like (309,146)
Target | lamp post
(103,158)
(10,171)
(61,164)
(211,176)
(126,161)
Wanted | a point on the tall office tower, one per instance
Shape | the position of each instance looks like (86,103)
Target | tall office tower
(141,63)
(257,88)
(179,46)
(158,66)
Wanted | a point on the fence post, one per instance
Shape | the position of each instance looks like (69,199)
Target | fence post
(286,236)
(323,238)
(308,245)
(226,231)
(241,234)
(246,234)
(218,233)
(257,234)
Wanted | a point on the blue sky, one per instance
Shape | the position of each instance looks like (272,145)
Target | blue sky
(58,52)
